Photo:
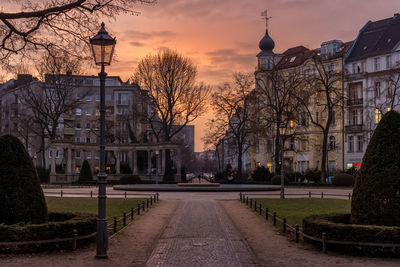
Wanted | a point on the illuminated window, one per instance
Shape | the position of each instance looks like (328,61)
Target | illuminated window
(108,168)
(317,140)
(77,169)
(378,116)
(269,166)
(258,164)
(291,124)
(316,97)
(389,109)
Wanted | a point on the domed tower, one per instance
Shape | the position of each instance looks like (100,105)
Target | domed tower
(266,56)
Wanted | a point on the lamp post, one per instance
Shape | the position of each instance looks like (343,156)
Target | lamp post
(103,48)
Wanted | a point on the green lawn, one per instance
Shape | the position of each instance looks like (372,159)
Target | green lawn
(295,209)
(115,206)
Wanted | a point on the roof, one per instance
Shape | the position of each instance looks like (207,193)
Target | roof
(376,38)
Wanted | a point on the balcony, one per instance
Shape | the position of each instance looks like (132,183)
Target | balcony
(353,128)
(355,102)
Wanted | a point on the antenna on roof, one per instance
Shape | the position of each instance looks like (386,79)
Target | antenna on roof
(264,14)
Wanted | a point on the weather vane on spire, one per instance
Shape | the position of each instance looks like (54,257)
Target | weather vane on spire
(264,14)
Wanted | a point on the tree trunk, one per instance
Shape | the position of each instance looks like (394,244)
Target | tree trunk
(324,154)
(239,169)
(277,150)
(42,145)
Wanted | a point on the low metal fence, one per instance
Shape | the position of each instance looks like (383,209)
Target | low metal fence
(92,194)
(252,204)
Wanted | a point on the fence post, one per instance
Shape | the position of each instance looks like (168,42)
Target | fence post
(255,205)
(131,213)
(147,203)
(151,200)
(260,209)
(251,203)
(124,219)
(323,242)
(266,214)
(284,225)
(74,236)
(115,225)
(240,196)
(138,209)
(322,194)
(61,193)
(247,200)
(244,199)
(274,218)
(125,194)
(349,196)
(309,194)
(91,194)
(297,233)
(142,205)
(157,196)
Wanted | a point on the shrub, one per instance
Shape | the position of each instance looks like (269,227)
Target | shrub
(183,174)
(86,173)
(295,177)
(276,180)
(43,173)
(376,198)
(59,225)
(21,197)
(343,179)
(125,168)
(261,174)
(338,227)
(130,179)
(313,175)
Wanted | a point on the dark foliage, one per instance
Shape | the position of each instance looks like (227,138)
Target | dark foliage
(169,176)
(295,177)
(376,197)
(261,174)
(59,225)
(343,179)
(276,180)
(183,175)
(313,175)
(130,179)
(352,171)
(43,173)
(86,173)
(21,197)
(338,227)
(125,168)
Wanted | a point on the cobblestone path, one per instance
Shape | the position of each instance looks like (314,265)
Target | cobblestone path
(201,234)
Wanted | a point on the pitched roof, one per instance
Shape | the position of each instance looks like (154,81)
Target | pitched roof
(376,38)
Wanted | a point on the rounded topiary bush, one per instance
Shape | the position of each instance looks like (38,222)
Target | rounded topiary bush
(376,194)
(261,174)
(276,180)
(343,179)
(130,179)
(21,197)
(86,173)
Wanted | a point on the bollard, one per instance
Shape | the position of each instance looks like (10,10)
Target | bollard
(124,220)
(274,219)
(323,242)
(74,236)
(349,196)
(61,193)
(147,203)
(143,205)
(284,225)
(138,209)
(125,194)
(309,194)
(322,194)
(266,214)
(131,213)
(157,196)
(251,203)
(247,200)
(260,210)
(240,196)
(115,225)
(244,199)
(151,200)
(255,205)
(297,233)
(91,194)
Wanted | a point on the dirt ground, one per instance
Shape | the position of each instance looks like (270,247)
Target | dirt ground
(273,249)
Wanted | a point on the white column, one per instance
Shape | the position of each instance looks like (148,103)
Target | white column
(163,161)
(53,161)
(69,159)
(134,161)
(118,163)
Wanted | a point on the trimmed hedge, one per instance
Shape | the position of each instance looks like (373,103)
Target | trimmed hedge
(261,174)
(338,227)
(276,180)
(343,179)
(86,173)
(60,225)
(130,179)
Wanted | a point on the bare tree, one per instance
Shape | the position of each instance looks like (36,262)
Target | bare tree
(62,24)
(278,107)
(322,99)
(232,116)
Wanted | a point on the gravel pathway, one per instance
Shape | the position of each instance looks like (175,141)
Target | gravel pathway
(201,234)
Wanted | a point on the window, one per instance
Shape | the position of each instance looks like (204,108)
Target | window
(269,146)
(378,116)
(269,166)
(331,166)
(78,126)
(332,143)
(351,143)
(377,64)
(317,140)
(88,98)
(354,117)
(360,143)
(377,89)
(97,98)
(388,62)
(258,147)
(87,139)
(303,119)
(291,144)
(122,99)
(292,59)
(78,111)
(77,139)
(389,89)
(88,125)
(304,143)
(88,155)
(77,169)
(333,117)
(97,112)
(108,97)
(363,66)
(258,164)
(78,154)
(291,123)
(78,96)
(97,155)
(316,97)
(88,112)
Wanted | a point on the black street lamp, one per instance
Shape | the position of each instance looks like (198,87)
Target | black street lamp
(103,48)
